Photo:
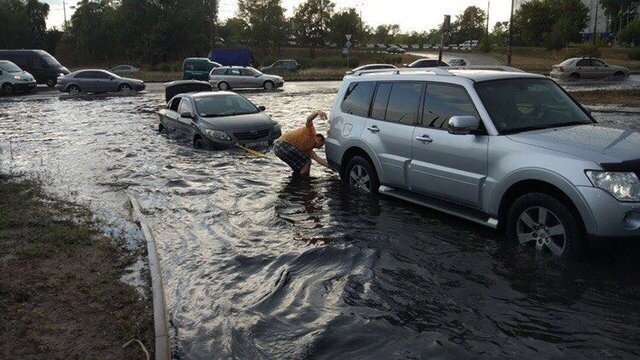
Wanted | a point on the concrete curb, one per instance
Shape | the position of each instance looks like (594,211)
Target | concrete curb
(160,319)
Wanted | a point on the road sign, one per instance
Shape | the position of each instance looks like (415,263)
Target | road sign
(348,44)
(349,37)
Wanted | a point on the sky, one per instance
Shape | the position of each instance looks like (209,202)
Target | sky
(411,15)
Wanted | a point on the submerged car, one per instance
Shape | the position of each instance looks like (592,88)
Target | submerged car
(505,149)
(240,77)
(371,67)
(13,79)
(427,63)
(588,68)
(97,81)
(218,120)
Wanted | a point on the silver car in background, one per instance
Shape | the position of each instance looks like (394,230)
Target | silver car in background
(240,77)
(97,81)
(588,68)
(504,149)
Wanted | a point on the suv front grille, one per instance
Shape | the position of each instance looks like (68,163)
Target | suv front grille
(252,135)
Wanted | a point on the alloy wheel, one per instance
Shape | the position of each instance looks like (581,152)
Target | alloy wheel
(360,179)
(540,226)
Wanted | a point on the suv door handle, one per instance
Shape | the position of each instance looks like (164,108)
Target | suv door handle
(425,138)
(373,129)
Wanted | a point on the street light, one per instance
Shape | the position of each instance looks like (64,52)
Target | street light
(510,40)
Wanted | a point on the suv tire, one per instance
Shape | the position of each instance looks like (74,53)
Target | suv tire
(543,221)
(361,175)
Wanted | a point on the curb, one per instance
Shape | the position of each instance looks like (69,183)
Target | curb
(160,319)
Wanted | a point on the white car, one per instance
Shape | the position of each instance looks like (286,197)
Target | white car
(13,79)
(125,69)
(469,44)
(458,62)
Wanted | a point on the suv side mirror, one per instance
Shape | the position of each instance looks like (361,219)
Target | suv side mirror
(187,115)
(463,125)
(262,108)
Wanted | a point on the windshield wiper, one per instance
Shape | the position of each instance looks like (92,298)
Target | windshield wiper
(542,127)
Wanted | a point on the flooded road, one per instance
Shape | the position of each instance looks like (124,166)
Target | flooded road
(259,265)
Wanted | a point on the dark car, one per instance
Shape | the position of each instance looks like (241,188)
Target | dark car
(371,67)
(39,63)
(198,68)
(395,49)
(218,120)
(97,81)
(426,63)
(281,66)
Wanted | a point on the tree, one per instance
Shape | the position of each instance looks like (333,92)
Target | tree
(312,20)
(631,33)
(615,10)
(386,34)
(343,23)
(550,23)
(470,25)
(267,26)
(37,13)
(500,32)
(234,31)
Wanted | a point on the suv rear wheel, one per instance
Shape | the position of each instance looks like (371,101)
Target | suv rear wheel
(361,175)
(542,221)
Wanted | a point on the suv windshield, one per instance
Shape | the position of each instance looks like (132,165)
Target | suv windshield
(517,105)
(224,105)
(9,67)
(50,60)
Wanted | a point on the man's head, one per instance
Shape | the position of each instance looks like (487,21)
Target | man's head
(319,141)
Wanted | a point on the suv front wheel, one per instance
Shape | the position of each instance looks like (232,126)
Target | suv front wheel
(361,175)
(542,221)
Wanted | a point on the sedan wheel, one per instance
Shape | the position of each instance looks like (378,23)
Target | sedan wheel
(543,222)
(125,88)
(223,86)
(7,88)
(268,85)
(51,82)
(73,89)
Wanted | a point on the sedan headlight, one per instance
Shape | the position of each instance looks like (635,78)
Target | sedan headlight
(217,135)
(17,77)
(624,186)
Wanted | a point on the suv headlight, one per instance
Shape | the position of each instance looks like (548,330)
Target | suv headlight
(218,135)
(623,186)
(17,77)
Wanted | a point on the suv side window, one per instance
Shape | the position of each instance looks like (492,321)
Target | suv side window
(185,106)
(442,101)
(404,103)
(219,71)
(380,101)
(358,98)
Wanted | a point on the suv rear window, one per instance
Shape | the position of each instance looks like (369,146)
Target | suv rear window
(358,98)
(444,101)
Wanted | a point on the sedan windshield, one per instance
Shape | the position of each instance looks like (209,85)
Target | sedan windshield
(517,105)
(224,105)
(10,67)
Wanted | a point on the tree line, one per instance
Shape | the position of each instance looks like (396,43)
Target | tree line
(158,31)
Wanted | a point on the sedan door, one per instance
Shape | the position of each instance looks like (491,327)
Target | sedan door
(186,125)
(390,127)
(444,165)
(250,79)
(170,116)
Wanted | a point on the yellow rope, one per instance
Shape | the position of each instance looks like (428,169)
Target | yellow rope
(251,151)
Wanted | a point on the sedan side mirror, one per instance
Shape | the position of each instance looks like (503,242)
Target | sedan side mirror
(1,72)
(463,125)
(262,108)
(186,115)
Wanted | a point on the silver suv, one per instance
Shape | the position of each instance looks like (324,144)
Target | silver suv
(505,149)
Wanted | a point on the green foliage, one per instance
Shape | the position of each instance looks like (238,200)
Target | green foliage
(386,34)
(614,8)
(485,45)
(266,23)
(585,49)
(550,23)
(470,25)
(634,54)
(234,31)
(343,23)
(311,21)
(22,24)
(335,62)
(631,33)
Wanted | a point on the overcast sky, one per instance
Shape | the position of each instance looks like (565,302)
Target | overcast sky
(418,15)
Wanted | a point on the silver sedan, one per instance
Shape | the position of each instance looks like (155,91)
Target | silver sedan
(239,77)
(97,81)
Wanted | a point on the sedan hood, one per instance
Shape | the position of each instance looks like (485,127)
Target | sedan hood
(239,122)
(607,146)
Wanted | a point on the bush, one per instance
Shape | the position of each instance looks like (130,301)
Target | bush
(634,53)
(164,67)
(585,49)
(335,62)
(631,33)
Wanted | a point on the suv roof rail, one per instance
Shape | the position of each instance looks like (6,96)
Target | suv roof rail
(486,67)
(438,70)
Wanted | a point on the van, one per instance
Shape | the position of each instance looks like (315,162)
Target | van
(198,68)
(13,79)
(39,63)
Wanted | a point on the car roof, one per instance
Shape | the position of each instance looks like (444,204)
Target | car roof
(201,94)
(450,75)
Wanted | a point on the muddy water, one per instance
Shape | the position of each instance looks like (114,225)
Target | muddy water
(259,265)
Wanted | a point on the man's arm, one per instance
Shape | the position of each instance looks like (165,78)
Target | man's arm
(314,115)
(319,160)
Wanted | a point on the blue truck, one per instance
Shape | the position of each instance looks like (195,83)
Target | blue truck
(232,57)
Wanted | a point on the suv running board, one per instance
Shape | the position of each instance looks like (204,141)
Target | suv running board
(446,207)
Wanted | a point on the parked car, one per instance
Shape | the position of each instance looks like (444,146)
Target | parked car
(13,79)
(44,67)
(371,67)
(97,81)
(281,66)
(508,150)
(239,77)
(469,44)
(588,68)
(218,119)
(177,87)
(425,63)
(457,62)
(395,49)
(198,68)
(125,69)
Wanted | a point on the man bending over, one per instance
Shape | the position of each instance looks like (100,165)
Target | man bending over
(296,147)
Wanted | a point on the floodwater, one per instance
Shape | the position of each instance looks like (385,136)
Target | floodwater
(259,265)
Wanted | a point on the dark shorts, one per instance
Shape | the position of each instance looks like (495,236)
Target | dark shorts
(295,158)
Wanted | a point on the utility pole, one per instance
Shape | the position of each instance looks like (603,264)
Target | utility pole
(446,27)
(488,10)
(510,40)
(595,21)
(64,11)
